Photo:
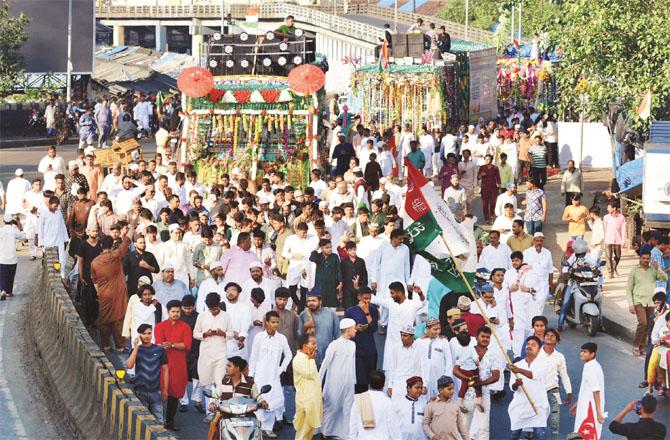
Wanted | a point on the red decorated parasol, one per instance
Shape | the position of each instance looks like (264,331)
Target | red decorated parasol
(306,79)
(195,82)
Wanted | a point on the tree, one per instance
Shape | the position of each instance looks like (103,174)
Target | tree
(618,50)
(12,36)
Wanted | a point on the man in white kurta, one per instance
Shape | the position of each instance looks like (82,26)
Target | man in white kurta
(240,318)
(176,252)
(125,197)
(410,409)
(402,313)
(368,249)
(520,281)
(33,204)
(215,283)
(260,281)
(49,166)
(16,190)
(589,411)
(406,360)
(297,249)
(212,328)
(436,353)
(496,254)
(339,371)
(386,423)
(270,357)
(392,265)
(427,147)
(51,231)
(539,258)
(530,372)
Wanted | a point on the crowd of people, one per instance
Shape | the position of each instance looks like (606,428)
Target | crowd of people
(249,283)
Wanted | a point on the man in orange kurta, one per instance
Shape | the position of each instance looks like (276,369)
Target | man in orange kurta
(176,337)
(110,283)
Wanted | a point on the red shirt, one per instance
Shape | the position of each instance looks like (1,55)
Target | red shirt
(176,332)
(474,321)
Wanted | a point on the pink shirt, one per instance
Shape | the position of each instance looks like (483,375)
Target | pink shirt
(615,229)
(236,263)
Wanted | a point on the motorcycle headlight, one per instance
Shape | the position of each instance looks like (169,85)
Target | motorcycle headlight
(238,408)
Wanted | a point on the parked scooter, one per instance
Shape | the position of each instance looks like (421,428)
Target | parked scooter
(581,293)
(239,421)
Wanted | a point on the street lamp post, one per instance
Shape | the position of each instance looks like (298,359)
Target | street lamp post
(68,92)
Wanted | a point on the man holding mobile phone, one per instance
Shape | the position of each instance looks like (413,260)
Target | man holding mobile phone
(646,427)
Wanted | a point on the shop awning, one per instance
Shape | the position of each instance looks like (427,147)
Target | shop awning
(629,175)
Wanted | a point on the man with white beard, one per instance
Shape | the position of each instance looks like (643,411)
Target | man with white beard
(215,283)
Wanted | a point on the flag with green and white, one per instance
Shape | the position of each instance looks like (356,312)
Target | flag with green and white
(430,225)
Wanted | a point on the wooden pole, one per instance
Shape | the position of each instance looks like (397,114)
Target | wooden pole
(488,322)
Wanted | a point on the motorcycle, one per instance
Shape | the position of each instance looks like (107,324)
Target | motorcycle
(585,303)
(239,421)
(36,124)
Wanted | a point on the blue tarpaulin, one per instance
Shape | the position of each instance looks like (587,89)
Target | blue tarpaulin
(629,175)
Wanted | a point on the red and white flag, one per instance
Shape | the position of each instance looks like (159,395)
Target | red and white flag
(588,428)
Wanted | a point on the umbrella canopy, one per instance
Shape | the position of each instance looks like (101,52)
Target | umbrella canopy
(195,82)
(306,79)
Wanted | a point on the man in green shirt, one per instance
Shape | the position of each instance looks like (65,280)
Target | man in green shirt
(416,156)
(287,29)
(641,287)
(506,172)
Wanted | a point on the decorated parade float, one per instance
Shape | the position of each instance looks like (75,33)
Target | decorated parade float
(255,108)
(423,91)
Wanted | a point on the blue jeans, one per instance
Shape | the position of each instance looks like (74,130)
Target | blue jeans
(567,296)
(538,434)
(153,401)
(533,226)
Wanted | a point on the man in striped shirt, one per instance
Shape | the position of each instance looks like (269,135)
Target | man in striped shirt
(538,161)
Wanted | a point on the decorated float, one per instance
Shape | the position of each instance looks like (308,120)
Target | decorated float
(253,123)
(428,92)
(525,82)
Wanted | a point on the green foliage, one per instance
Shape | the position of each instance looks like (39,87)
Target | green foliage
(621,47)
(12,36)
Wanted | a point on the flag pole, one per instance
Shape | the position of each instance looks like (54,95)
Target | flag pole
(486,318)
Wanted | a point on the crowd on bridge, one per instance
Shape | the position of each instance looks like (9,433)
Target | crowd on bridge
(315,291)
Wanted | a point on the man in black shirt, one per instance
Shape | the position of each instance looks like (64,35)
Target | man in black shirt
(139,263)
(646,427)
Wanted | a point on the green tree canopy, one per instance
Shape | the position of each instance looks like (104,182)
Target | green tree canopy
(12,36)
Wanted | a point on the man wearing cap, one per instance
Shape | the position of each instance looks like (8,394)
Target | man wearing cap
(16,191)
(175,252)
(436,352)
(410,410)
(75,180)
(319,321)
(11,231)
(214,283)
(539,258)
(50,166)
(474,321)
(509,196)
(338,374)
(404,361)
(169,288)
(258,280)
